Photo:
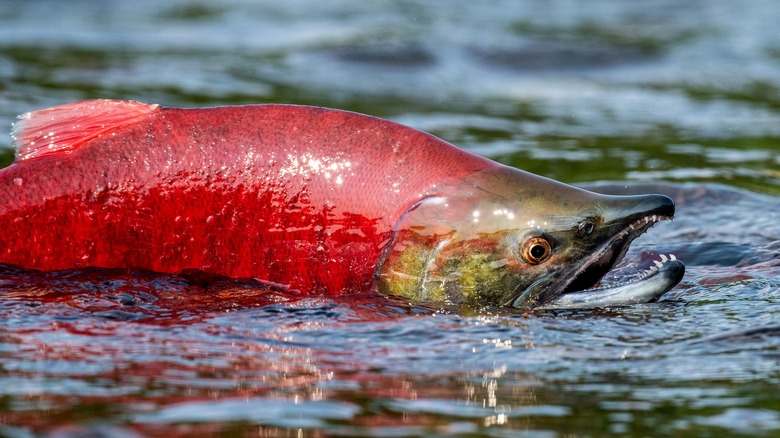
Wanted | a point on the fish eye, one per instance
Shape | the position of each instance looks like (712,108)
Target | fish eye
(536,250)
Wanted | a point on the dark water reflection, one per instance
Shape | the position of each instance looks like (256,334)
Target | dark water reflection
(609,91)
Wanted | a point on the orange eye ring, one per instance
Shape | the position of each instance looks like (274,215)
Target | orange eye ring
(536,250)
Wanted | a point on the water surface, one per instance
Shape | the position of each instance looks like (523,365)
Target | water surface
(651,96)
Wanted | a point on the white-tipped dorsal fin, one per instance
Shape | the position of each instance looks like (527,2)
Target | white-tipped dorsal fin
(66,127)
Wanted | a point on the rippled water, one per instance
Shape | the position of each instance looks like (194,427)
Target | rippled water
(654,96)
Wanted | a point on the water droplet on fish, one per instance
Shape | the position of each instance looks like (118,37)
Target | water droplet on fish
(18,181)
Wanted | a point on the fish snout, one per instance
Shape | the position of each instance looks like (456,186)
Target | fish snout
(625,210)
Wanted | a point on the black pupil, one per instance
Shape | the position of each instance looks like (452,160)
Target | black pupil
(538,251)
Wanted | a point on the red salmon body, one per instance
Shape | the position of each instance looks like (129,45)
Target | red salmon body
(301,196)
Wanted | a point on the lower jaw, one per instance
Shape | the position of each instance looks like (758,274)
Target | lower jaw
(650,286)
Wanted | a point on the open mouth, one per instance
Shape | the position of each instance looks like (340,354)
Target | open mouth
(579,288)
(596,266)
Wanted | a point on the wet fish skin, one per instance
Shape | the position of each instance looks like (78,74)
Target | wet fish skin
(310,199)
(285,193)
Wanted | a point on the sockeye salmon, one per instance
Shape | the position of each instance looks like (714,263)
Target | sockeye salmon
(315,200)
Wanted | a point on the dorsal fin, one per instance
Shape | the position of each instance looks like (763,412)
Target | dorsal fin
(66,127)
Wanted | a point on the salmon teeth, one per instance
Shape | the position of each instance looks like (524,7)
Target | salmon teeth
(664,258)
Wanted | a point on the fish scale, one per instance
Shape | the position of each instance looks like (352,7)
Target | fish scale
(285,193)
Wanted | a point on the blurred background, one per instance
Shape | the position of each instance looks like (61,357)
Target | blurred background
(603,90)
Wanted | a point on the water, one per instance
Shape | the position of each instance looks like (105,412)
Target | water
(654,96)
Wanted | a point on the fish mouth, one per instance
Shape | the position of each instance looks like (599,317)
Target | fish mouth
(648,287)
(577,287)
(580,288)
(594,267)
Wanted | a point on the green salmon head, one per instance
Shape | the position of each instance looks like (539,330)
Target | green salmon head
(504,237)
